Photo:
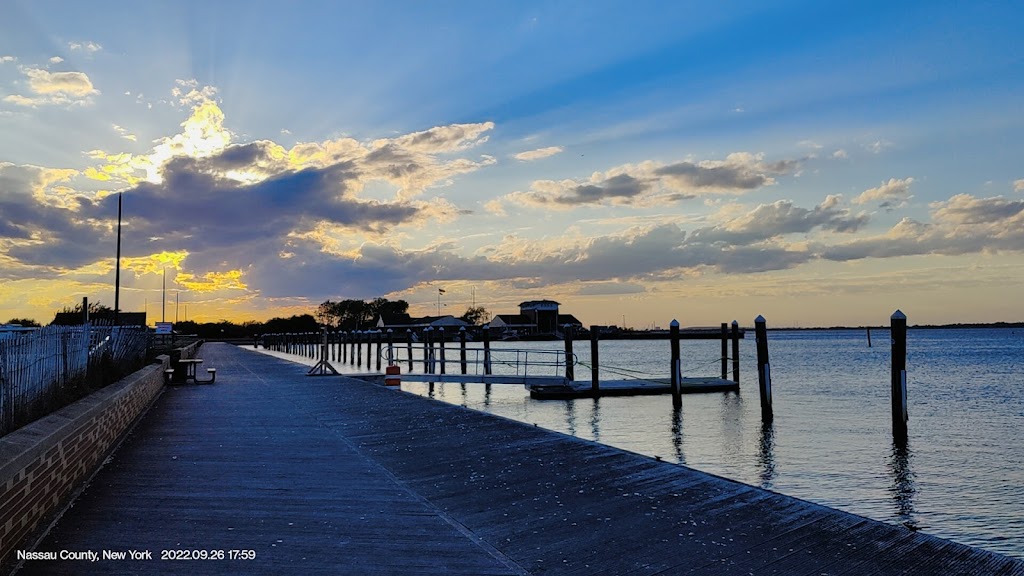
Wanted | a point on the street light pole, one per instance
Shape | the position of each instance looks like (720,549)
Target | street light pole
(117,271)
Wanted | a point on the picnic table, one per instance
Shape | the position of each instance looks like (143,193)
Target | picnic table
(191,366)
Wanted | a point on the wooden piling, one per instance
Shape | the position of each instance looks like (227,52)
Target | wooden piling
(570,369)
(408,346)
(440,349)
(391,347)
(869,336)
(736,352)
(675,365)
(764,373)
(898,328)
(369,349)
(427,349)
(358,344)
(595,383)
(380,347)
(725,351)
(462,349)
(487,349)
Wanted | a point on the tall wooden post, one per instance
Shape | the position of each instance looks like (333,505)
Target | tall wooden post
(725,351)
(428,350)
(359,349)
(391,347)
(344,346)
(462,349)
(380,345)
(570,368)
(898,327)
(736,352)
(369,349)
(440,345)
(487,349)
(595,383)
(675,367)
(408,346)
(764,373)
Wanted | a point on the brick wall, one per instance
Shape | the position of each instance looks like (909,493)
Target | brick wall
(44,464)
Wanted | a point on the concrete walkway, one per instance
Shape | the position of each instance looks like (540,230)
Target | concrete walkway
(334,476)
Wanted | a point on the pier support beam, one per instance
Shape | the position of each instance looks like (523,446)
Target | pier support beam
(736,352)
(391,347)
(595,383)
(898,327)
(408,346)
(462,349)
(676,372)
(764,373)
(725,351)
(380,343)
(440,344)
(487,349)
(570,369)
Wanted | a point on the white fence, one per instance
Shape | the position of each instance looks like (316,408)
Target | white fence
(43,370)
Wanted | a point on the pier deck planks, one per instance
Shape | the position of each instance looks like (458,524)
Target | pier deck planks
(332,476)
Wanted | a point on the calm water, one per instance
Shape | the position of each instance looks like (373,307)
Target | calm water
(961,475)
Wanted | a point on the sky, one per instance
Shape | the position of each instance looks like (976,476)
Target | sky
(817,163)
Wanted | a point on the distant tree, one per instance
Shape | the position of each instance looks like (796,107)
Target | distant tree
(476,315)
(94,308)
(383,307)
(24,322)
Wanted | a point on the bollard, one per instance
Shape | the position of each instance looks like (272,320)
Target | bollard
(462,349)
(570,369)
(595,384)
(487,349)
(676,365)
(736,352)
(764,373)
(898,327)
(725,351)
(393,376)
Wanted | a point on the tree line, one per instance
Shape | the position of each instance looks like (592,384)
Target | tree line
(341,315)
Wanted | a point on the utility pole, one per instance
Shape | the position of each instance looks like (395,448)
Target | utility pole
(163,299)
(117,271)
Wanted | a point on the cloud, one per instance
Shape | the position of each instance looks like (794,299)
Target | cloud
(188,93)
(890,195)
(123,132)
(56,60)
(538,153)
(878,146)
(6,59)
(87,47)
(963,224)
(780,218)
(1018,185)
(840,154)
(655,184)
(610,289)
(55,88)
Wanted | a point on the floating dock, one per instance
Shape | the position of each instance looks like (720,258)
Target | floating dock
(584,389)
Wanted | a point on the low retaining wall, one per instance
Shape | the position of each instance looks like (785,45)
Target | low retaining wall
(44,465)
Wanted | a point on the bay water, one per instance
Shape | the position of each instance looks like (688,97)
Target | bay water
(960,474)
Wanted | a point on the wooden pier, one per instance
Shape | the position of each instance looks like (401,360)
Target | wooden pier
(577,389)
(336,476)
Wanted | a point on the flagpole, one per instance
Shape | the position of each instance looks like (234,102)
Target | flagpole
(117,271)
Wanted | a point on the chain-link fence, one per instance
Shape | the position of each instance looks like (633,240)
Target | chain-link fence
(46,369)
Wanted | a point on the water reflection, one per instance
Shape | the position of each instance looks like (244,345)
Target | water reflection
(732,424)
(430,390)
(903,488)
(570,416)
(465,399)
(766,455)
(487,395)
(677,435)
(595,420)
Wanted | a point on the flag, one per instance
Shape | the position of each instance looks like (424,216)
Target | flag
(440,290)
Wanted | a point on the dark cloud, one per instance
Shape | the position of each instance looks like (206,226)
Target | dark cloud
(621,186)
(726,177)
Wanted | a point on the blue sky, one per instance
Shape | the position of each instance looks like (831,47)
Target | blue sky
(817,163)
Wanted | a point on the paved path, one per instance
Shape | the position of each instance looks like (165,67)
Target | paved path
(335,476)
